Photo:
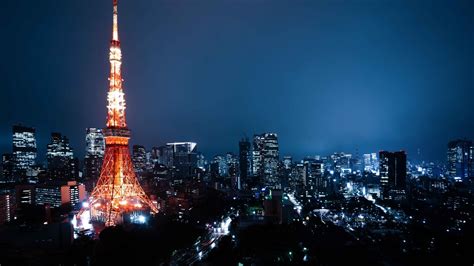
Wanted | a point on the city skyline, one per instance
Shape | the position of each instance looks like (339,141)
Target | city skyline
(387,82)
(81,153)
(342,107)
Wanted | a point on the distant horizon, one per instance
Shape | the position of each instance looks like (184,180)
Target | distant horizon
(43,141)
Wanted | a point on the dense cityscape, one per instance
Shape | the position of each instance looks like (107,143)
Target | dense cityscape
(171,204)
(377,207)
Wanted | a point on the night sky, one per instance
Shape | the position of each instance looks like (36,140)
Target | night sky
(325,75)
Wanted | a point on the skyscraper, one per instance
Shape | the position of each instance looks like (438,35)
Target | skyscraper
(201,161)
(7,168)
(316,180)
(371,162)
(184,158)
(164,155)
(139,158)
(149,161)
(356,163)
(219,167)
(24,149)
(95,148)
(266,158)
(214,167)
(287,162)
(256,163)
(95,143)
(232,164)
(341,163)
(257,156)
(317,173)
(155,155)
(393,173)
(60,157)
(460,160)
(299,175)
(245,159)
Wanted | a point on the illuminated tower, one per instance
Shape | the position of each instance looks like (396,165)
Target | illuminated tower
(117,191)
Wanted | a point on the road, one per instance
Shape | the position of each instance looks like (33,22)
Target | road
(203,245)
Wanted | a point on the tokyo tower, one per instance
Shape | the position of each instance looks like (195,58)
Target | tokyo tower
(117,194)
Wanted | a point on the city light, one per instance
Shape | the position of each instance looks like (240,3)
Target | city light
(322,133)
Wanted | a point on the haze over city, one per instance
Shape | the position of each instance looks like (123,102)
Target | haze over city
(326,76)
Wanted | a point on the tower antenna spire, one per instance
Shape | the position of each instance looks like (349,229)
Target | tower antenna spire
(115,27)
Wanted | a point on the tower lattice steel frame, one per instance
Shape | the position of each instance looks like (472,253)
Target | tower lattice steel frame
(118,190)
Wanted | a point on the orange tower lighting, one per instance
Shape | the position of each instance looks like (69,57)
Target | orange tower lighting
(117,191)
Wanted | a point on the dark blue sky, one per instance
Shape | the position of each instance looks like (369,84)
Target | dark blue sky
(325,75)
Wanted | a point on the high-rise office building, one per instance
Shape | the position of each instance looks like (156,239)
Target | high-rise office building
(60,157)
(219,167)
(156,156)
(257,163)
(95,143)
(257,156)
(149,162)
(95,148)
(299,175)
(371,163)
(139,158)
(266,158)
(271,156)
(341,163)
(164,155)
(245,159)
(201,161)
(184,158)
(24,149)
(460,160)
(356,163)
(287,162)
(232,164)
(367,162)
(7,168)
(393,173)
(92,166)
(315,179)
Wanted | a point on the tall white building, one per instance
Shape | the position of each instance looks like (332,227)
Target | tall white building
(24,148)
(95,143)
(95,149)
(371,163)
